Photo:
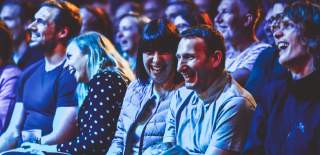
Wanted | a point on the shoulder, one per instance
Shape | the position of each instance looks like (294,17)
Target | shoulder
(137,86)
(30,69)
(11,71)
(259,46)
(110,78)
(183,95)
(234,96)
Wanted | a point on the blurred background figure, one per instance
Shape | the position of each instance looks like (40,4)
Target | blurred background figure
(146,103)
(208,6)
(237,21)
(129,34)
(185,14)
(17,14)
(124,8)
(8,77)
(154,9)
(96,19)
(102,76)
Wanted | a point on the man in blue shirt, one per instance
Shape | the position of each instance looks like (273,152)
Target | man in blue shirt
(211,113)
(46,91)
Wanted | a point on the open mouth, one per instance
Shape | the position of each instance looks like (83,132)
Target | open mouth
(34,35)
(156,69)
(71,70)
(221,27)
(283,45)
(123,43)
(187,76)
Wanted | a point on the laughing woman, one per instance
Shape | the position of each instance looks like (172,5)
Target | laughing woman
(146,103)
(103,76)
(289,120)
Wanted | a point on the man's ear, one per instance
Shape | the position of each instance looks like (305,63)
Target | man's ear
(216,58)
(249,19)
(63,33)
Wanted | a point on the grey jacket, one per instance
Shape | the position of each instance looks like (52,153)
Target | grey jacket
(134,102)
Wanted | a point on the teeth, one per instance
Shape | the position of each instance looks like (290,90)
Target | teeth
(156,68)
(283,45)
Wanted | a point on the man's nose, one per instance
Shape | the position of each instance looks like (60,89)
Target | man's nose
(31,26)
(277,34)
(218,18)
(181,66)
(156,57)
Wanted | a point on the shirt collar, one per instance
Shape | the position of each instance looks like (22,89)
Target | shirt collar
(215,88)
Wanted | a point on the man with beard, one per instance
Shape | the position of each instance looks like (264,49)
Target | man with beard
(46,91)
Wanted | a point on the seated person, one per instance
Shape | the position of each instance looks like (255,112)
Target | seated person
(128,35)
(288,122)
(8,76)
(185,14)
(145,106)
(17,15)
(237,21)
(46,91)
(96,19)
(267,67)
(211,113)
(103,76)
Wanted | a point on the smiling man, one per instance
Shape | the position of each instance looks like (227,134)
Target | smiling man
(237,21)
(17,15)
(46,91)
(211,114)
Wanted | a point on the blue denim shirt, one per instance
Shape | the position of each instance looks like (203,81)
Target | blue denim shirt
(220,120)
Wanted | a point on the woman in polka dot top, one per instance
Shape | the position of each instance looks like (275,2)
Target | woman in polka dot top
(103,76)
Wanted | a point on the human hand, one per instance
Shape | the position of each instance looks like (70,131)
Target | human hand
(39,147)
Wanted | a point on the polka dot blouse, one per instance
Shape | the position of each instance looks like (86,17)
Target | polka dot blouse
(98,115)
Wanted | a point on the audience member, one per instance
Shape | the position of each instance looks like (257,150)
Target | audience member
(103,76)
(185,14)
(211,113)
(8,76)
(17,15)
(142,119)
(124,8)
(267,67)
(271,17)
(46,92)
(96,19)
(154,9)
(288,123)
(208,6)
(129,34)
(237,20)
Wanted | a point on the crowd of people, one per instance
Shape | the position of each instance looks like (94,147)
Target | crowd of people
(158,77)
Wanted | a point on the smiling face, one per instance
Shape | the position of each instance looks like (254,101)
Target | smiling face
(271,19)
(77,63)
(10,14)
(43,29)
(158,65)
(228,20)
(128,34)
(288,38)
(193,63)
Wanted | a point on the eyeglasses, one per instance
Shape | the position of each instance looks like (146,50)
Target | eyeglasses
(273,22)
